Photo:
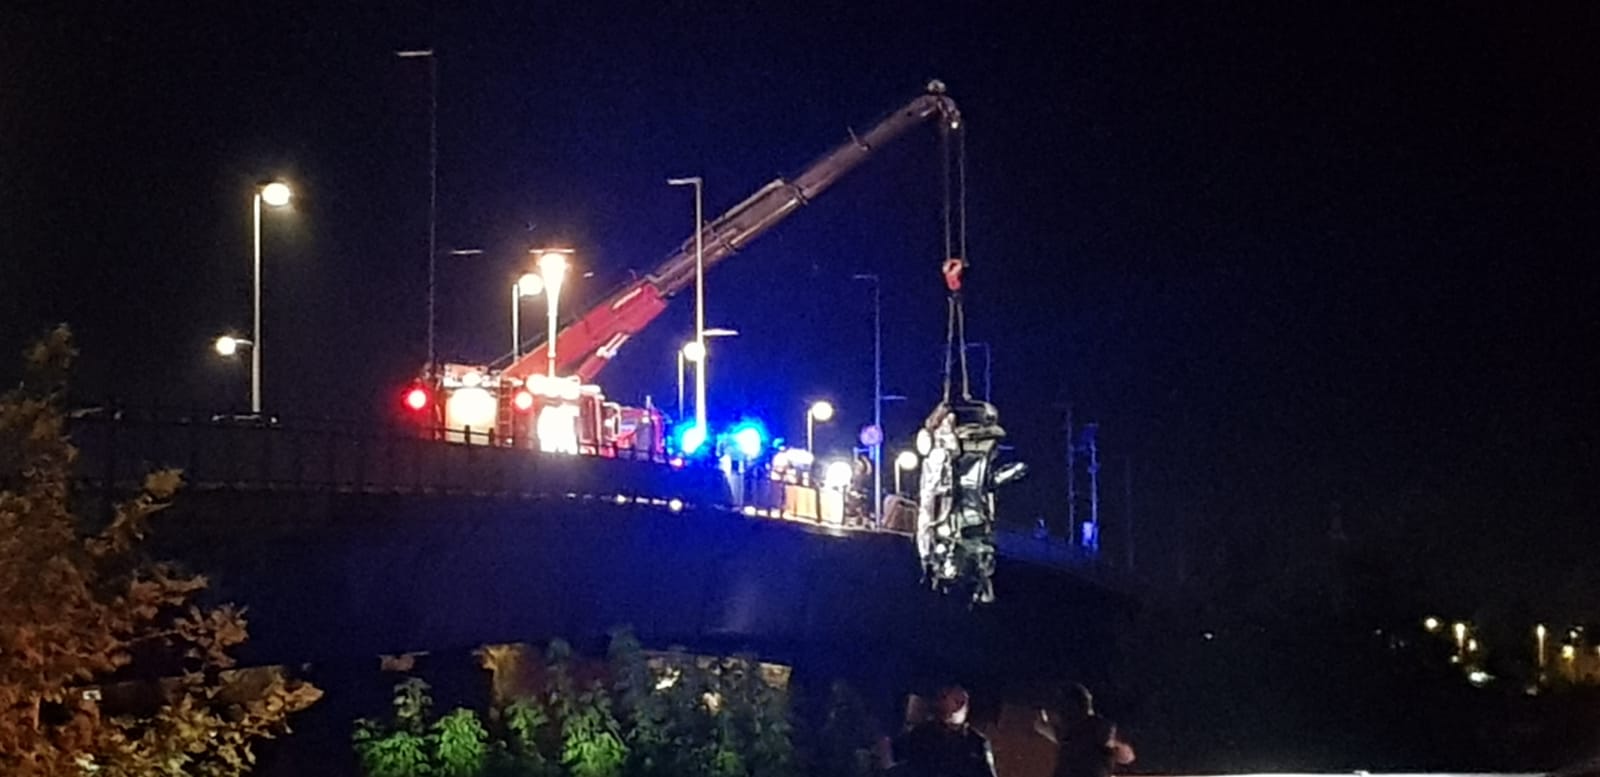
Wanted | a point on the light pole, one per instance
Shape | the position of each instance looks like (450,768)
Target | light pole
(694,352)
(1539,633)
(529,285)
(819,411)
(877,395)
(433,186)
(553,270)
(905,462)
(699,294)
(275,194)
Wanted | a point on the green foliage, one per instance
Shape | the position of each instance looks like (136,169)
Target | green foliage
(78,603)
(463,744)
(679,716)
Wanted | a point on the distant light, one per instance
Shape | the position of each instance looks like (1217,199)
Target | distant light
(750,510)
(276,194)
(799,458)
(1460,630)
(693,438)
(472,378)
(694,351)
(530,285)
(523,400)
(557,429)
(1472,646)
(417,398)
(675,505)
(1479,677)
(553,266)
(1568,652)
(1208,635)
(906,461)
(471,408)
(837,475)
(668,679)
(822,411)
(227,346)
(1539,631)
(748,441)
(1430,623)
(924,442)
(622,500)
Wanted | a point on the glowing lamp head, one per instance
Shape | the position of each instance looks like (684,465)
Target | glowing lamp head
(822,411)
(1430,623)
(227,346)
(276,194)
(530,285)
(553,266)
(906,461)
(523,400)
(694,351)
(417,398)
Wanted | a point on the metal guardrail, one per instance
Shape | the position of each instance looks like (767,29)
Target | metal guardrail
(117,448)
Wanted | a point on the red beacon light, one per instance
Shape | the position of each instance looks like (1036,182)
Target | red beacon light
(417,398)
(523,401)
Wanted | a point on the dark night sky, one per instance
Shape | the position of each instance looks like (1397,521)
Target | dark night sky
(1295,262)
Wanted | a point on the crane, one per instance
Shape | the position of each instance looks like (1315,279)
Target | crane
(586,345)
(522,405)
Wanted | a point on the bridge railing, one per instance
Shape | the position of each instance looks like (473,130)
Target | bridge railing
(117,447)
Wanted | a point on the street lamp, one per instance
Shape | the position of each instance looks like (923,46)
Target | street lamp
(819,411)
(228,345)
(1539,634)
(275,194)
(694,352)
(877,395)
(699,292)
(905,462)
(552,270)
(433,184)
(529,285)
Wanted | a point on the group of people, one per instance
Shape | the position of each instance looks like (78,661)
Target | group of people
(946,744)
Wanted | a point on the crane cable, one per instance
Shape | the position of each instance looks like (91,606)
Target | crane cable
(954,263)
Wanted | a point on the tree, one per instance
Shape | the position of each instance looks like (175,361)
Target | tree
(83,614)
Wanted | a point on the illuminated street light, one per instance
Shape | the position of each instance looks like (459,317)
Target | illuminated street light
(819,411)
(1539,634)
(228,345)
(699,291)
(1430,623)
(1461,636)
(694,352)
(836,475)
(275,194)
(529,285)
(905,462)
(553,270)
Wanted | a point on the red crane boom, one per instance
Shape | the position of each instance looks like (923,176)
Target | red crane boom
(586,345)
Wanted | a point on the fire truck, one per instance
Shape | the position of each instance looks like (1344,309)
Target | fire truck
(523,402)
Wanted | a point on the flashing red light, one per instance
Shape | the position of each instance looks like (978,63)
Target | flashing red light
(523,400)
(417,398)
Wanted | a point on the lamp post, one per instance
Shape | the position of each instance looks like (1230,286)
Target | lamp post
(877,395)
(819,411)
(552,270)
(694,352)
(433,185)
(529,285)
(905,462)
(699,294)
(275,194)
(1539,633)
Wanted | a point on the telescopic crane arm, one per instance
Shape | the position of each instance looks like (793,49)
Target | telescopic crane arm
(585,346)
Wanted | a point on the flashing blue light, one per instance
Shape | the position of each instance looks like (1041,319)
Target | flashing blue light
(747,440)
(691,439)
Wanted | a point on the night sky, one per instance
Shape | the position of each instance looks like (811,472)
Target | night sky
(1298,264)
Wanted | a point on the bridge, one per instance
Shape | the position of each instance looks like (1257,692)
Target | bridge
(347,544)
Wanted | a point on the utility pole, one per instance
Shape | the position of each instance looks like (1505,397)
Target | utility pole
(433,190)
(1072,479)
(877,396)
(1090,432)
(1127,511)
